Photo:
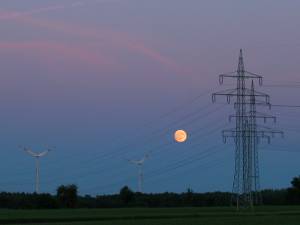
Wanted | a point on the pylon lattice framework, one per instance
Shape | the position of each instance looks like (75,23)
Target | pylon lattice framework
(246,134)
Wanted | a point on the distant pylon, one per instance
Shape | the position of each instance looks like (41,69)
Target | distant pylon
(37,157)
(246,133)
(140,165)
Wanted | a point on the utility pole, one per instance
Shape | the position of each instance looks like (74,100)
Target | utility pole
(246,133)
(37,157)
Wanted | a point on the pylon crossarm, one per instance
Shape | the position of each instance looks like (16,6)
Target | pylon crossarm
(249,95)
(269,129)
(235,74)
(230,75)
(247,133)
(247,92)
(228,135)
(257,137)
(254,76)
(224,132)
(250,115)
(264,116)
(272,133)
(262,103)
(235,93)
(224,93)
(258,131)
(232,133)
(257,102)
(252,93)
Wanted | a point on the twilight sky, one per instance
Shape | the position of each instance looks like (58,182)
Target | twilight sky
(109,80)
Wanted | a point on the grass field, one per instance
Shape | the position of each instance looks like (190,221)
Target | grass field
(287,215)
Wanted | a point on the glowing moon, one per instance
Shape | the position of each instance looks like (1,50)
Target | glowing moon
(180,136)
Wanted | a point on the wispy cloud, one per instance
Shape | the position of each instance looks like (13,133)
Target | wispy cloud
(115,39)
(57,7)
(58,50)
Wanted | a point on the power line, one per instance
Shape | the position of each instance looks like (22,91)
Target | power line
(175,165)
(286,106)
(101,170)
(201,168)
(161,131)
(154,150)
(283,85)
(110,154)
(190,158)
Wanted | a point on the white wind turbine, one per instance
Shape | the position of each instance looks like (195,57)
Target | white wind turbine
(37,157)
(140,165)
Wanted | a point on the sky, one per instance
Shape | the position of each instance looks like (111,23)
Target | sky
(107,81)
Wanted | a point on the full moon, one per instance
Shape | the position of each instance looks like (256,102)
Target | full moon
(180,136)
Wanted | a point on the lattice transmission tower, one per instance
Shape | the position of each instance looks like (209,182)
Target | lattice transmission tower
(247,133)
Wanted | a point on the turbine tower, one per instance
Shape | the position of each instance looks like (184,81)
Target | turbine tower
(140,165)
(37,157)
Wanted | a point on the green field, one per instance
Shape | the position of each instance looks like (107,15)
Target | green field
(287,215)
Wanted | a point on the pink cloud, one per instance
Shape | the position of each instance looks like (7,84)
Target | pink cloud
(61,51)
(16,15)
(114,39)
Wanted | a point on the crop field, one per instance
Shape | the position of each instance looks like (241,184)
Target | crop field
(281,215)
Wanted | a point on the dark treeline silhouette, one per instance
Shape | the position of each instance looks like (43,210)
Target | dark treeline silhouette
(67,197)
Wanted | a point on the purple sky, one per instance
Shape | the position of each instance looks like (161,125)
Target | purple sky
(96,79)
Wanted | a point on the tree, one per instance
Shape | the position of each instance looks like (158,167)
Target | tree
(294,192)
(67,195)
(296,182)
(126,195)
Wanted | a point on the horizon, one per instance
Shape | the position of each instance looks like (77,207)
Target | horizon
(109,81)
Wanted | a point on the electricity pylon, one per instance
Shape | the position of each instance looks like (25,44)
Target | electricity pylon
(246,133)
(140,165)
(37,157)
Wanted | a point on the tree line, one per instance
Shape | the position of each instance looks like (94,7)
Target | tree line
(67,197)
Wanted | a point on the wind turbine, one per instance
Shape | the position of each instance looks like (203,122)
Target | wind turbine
(140,165)
(37,157)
